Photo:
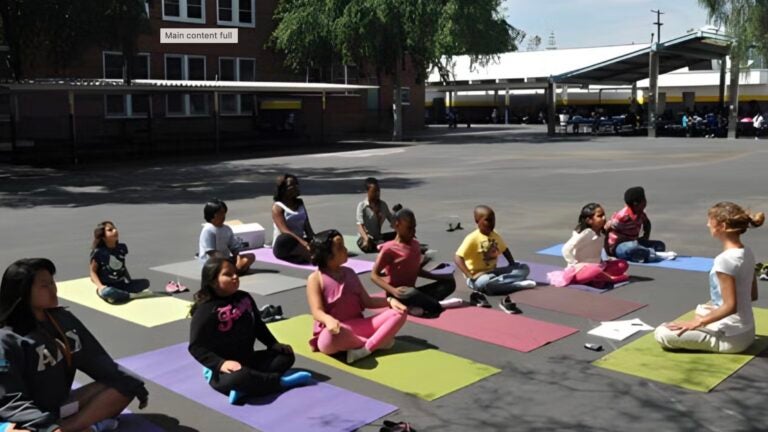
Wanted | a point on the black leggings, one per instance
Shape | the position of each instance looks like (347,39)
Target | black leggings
(287,248)
(428,296)
(260,374)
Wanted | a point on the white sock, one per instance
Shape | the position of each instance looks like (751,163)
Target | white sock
(354,355)
(451,302)
(525,284)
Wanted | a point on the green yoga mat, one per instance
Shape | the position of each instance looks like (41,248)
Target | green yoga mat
(350,241)
(695,371)
(149,311)
(408,367)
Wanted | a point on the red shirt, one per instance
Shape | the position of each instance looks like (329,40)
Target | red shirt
(625,226)
(401,262)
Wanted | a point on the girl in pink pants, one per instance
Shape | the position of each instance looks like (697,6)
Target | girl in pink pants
(583,253)
(337,300)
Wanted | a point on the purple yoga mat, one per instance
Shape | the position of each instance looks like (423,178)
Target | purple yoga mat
(318,407)
(130,422)
(539,274)
(573,302)
(265,255)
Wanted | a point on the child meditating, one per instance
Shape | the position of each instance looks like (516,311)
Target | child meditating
(476,258)
(399,264)
(370,216)
(225,325)
(725,324)
(217,238)
(625,226)
(583,254)
(337,300)
(42,346)
(107,269)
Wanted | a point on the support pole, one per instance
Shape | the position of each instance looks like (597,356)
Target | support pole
(721,89)
(733,99)
(551,99)
(216,121)
(14,146)
(322,119)
(506,105)
(149,123)
(72,128)
(653,91)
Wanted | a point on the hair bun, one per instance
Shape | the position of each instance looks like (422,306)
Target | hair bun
(757,219)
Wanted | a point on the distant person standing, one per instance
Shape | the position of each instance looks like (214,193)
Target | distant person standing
(758,123)
(494,116)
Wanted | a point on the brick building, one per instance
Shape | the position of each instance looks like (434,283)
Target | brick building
(175,120)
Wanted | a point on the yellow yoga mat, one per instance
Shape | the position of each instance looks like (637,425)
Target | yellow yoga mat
(148,311)
(410,368)
(692,370)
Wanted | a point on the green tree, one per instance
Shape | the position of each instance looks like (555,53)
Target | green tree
(387,36)
(58,32)
(745,21)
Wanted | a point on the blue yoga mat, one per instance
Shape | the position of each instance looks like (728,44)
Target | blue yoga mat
(689,263)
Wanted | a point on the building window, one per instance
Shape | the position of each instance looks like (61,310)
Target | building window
(237,12)
(237,69)
(192,11)
(130,105)
(183,68)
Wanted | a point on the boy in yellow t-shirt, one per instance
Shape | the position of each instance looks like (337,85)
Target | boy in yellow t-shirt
(476,258)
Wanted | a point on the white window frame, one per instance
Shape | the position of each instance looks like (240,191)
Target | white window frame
(127,99)
(235,22)
(238,97)
(183,10)
(186,105)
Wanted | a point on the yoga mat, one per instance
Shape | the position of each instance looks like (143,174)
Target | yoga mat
(644,358)
(574,302)
(317,407)
(539,274)
(496,327)
(265,255)
(130,422)
(147,311)
(262,282)
(410,368)
(689,263)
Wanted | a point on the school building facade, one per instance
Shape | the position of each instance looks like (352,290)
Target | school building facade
(166,118)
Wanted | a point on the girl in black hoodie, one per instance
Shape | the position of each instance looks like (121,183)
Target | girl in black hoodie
(225,325)
(42,346)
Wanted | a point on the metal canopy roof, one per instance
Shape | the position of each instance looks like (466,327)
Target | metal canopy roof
(674,54)
(155,86)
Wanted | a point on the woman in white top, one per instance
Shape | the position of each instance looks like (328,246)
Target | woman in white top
(725,324)
(583,254)
(292,230)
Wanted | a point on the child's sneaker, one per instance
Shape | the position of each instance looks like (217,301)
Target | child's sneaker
(667,255)
(452,302)
(479,300)
(508,306)
(524,284)
(207,374)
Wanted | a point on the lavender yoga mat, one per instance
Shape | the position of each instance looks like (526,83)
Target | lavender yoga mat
(265,255)
(319,407)
(539,274)
(130,422)
(574,302)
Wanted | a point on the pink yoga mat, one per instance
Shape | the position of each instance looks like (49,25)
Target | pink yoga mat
(494,326)
(574,302)
(265,255)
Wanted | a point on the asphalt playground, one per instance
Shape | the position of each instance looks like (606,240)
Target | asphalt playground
(535,184)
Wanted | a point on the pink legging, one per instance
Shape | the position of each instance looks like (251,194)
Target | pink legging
(371,332)
(613,271)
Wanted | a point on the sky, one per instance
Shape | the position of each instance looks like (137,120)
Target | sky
(588,23)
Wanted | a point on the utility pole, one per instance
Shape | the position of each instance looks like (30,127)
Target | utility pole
(658,23)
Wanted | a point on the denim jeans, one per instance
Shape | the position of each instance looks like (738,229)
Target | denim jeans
(121,292)
(501,280)
(640,250)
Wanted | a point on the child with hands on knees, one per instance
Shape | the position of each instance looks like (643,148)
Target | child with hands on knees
(337,300)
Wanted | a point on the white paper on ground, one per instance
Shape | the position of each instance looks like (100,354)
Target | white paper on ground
(619,330)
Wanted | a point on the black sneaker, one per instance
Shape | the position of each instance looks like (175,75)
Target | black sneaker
(510,307)
(479,300)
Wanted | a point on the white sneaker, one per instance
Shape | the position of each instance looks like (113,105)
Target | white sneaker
(525,284)
(667,255)
(452,302)
(354,355)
